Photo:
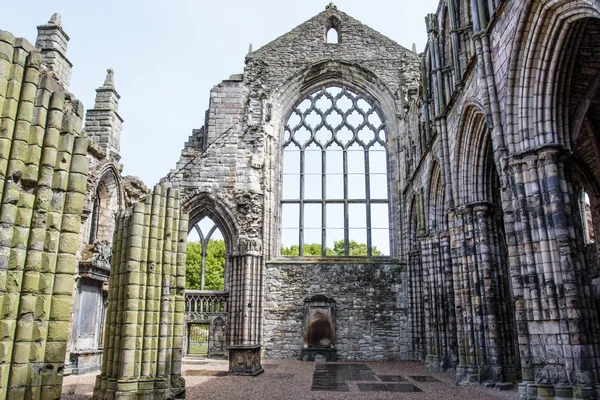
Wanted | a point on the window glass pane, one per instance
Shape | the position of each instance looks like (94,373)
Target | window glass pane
(289,238)
(312,240)
(356,186)
(380,240)
(380,216)
(379,188)
(335,241)
(357,216)
(291,160)
(334,159)
(358,242)
(312,186)
(313,160)
(335,216)
(291,187)
(377,161)
(356,159)
(290,215)
(312,216)
(335,186)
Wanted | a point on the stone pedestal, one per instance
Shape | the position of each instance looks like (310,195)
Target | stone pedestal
(315,354)
(245,360)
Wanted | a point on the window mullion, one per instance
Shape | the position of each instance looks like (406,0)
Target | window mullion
(368,204)
(323,207)
(301,216)
(346,227)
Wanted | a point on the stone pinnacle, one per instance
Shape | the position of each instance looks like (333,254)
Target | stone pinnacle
(55,20)
(110,78)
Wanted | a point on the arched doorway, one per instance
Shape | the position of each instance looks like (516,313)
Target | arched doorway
(207,290)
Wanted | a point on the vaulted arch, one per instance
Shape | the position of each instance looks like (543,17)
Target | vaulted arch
(475,170)
(538,70)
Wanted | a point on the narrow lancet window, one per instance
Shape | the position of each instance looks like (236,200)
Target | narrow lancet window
(332,36)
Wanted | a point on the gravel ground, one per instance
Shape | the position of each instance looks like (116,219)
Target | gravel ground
(291,379)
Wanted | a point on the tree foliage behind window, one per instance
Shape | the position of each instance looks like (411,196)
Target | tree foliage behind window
(314,249)
(214,276)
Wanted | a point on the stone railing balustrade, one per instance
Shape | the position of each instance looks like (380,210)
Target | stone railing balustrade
(206,301)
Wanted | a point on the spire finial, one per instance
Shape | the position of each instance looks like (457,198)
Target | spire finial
(250,48)
(331,6)
(110,78)
(55,20)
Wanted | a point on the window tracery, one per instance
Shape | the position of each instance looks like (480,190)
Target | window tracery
(335,197)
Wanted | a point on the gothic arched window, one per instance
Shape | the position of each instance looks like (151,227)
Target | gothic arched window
(335,199)
(206,257)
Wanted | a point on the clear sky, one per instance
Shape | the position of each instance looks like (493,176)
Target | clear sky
(167,55)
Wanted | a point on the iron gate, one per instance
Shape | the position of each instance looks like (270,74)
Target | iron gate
(198,339)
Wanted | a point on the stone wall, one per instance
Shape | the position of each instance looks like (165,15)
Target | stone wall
(371,307)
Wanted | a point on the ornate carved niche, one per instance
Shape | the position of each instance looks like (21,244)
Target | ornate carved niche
(319,329)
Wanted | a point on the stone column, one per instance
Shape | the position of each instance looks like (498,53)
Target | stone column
(43,176)
(144,335)
(482,298)
(557,324)
(245,308)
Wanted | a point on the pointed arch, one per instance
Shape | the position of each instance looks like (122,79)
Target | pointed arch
(535,83)
(107,199)
(365,84)
(436,200)
(202,204)
(333,31)
(475,158)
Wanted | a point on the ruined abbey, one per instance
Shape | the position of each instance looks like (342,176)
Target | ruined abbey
(374,204)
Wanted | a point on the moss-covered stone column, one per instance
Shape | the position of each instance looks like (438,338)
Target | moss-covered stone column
(144,323)
(43,178)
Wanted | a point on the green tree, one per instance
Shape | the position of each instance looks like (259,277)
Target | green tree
(193,265)
(214,275)
(354,248)
(314,249)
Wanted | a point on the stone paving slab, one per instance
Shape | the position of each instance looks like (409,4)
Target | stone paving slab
(294,379)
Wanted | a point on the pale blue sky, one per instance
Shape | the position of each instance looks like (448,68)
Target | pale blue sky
(167,55)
